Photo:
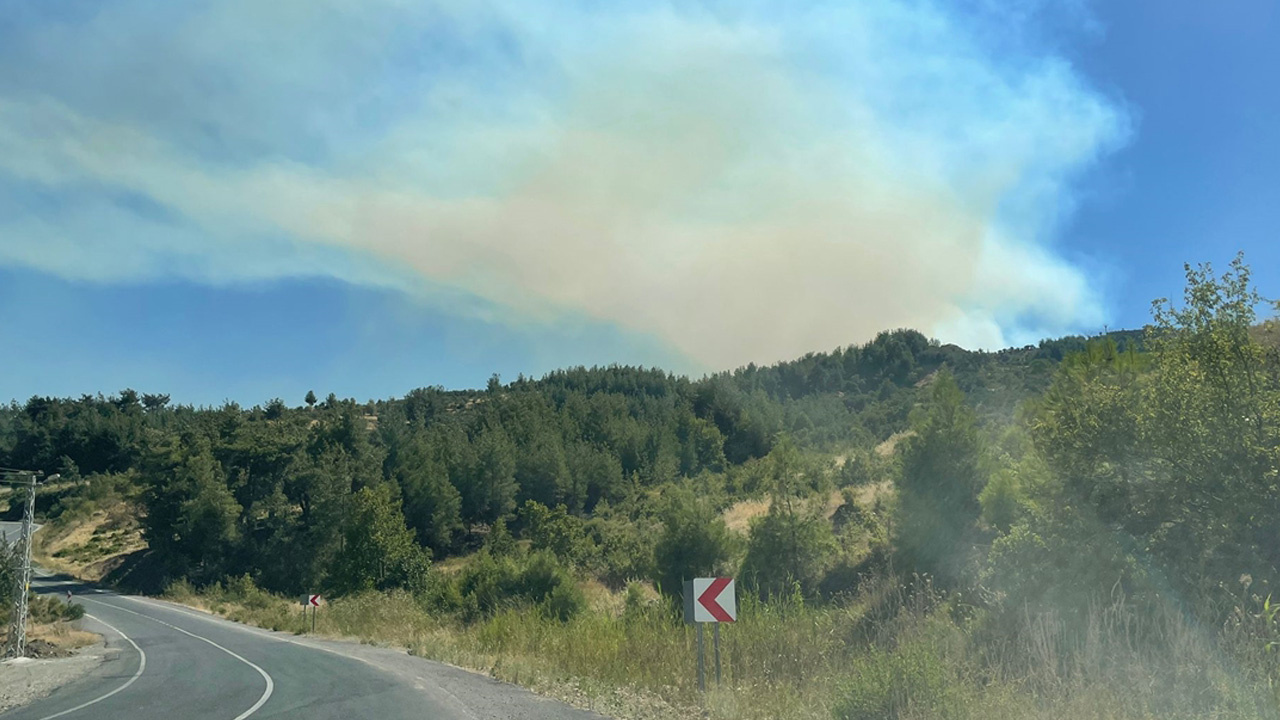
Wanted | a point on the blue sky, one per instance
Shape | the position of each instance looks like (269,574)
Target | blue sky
(242,200)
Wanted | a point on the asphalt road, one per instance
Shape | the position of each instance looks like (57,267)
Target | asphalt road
(12,530)
(173,663)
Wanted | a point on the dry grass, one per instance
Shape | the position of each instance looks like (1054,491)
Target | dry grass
(600,599)
(62,635)
(888,447)
(452,565)
(90,548)
(867,495)
(739,515)
(888,653)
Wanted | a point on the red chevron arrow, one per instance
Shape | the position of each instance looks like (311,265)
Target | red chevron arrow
(709,598)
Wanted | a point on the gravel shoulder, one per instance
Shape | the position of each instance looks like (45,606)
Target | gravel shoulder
(25,680)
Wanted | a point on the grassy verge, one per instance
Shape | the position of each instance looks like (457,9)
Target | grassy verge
(62,635)
(888,653)
(50,629)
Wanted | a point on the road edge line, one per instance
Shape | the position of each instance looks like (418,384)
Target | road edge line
(271,685)
(142,665)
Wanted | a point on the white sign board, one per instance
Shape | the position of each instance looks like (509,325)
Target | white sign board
(311,600)
(711,600)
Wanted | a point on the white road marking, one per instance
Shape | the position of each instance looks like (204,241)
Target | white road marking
(271,635)
(251,629)
(271,686)
(142,665)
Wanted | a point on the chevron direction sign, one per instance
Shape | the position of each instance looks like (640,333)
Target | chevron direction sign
(710,600)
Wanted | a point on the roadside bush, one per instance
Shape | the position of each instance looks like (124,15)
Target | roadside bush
(555,530)
(917,678)
(1001,500)
(564,601)
(244,591)
(1062,563)
(785,547)
(492,583)
(179,589)
(625,550)
(694,542)
(49,609)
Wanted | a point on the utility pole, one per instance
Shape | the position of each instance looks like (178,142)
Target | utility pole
(29,480)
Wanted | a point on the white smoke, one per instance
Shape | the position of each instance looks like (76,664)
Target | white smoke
(744,185)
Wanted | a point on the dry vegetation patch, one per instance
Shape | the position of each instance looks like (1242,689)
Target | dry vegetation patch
(91,548)
(62,636)
(739,515)
(890,446)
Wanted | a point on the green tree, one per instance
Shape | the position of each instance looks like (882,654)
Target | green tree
(154,403)
(594,475)
(310,399)
(788,544)
(192,518)
(1167,459)
(694,542)
(499,542)
(555,530)
(702,446)
(942,474)
(785,546)
(542,471)
(491,492)
(1088,426)
(432,505)
(275,409)
(378,551)
(1001,500)
(1210,429)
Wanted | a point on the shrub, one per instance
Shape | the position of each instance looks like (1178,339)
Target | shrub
(48,609)
(564,601)
(694,542)
(916,678)
(625,550)
(491,583)
(1065,563)
(787,546)
(244,591)
(179,589)
(554,529)
(1001,500)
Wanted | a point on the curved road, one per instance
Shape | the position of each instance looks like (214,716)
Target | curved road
(173,663)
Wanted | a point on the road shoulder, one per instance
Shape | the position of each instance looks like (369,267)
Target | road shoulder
(469,693)
(25,680)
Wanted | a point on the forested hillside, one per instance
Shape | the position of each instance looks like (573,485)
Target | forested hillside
(977,534)
(268,490)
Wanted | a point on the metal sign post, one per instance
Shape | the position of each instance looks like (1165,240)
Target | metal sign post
(702,672)
(313,602)
(715,641)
